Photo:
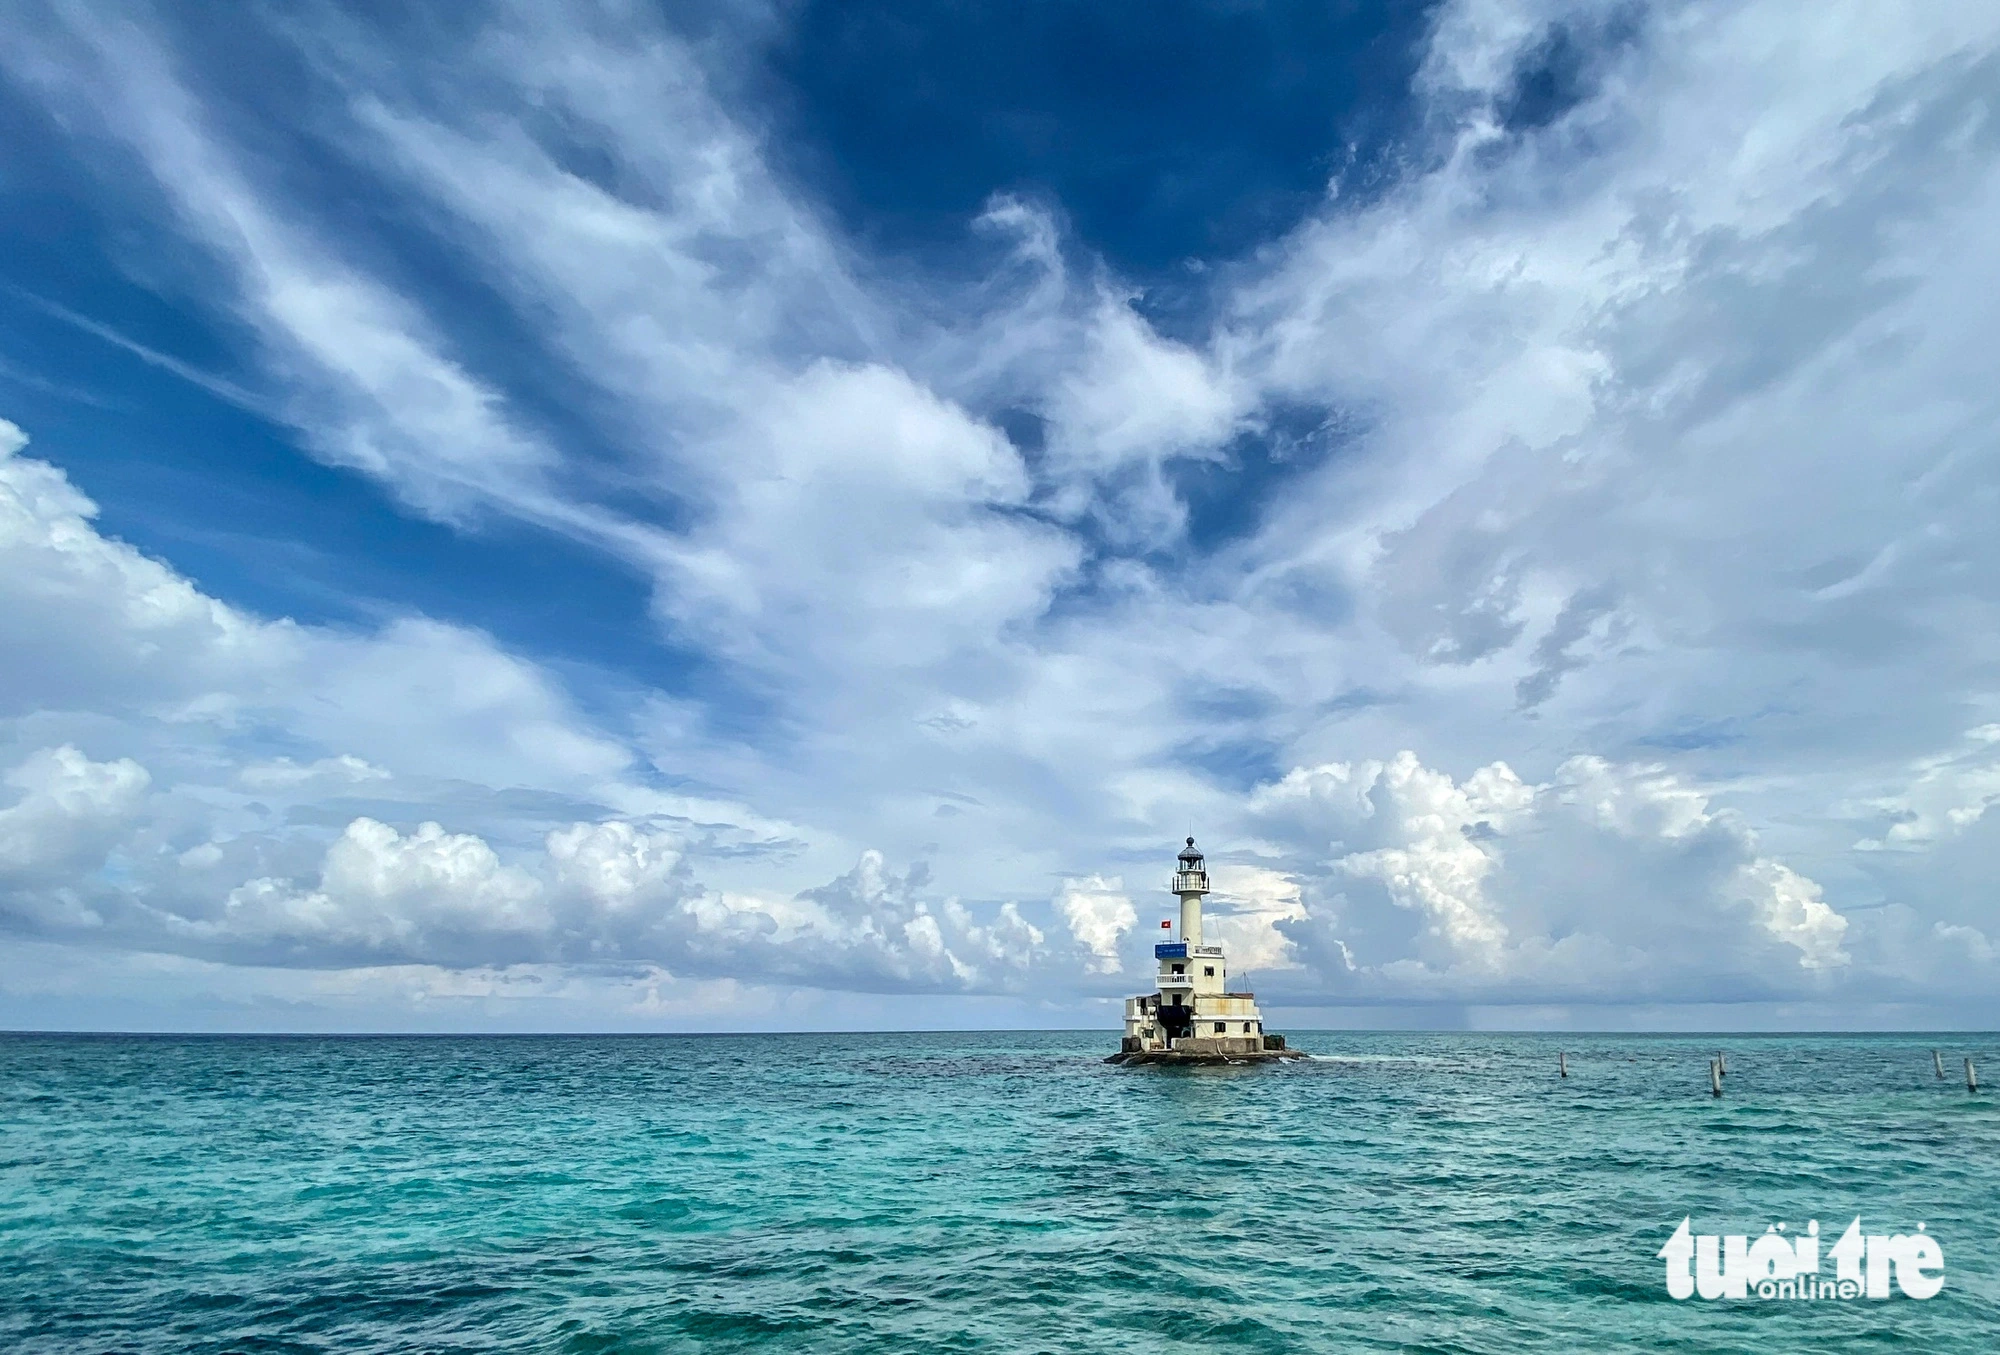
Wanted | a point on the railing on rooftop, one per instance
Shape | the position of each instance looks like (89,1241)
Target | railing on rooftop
(1188,881)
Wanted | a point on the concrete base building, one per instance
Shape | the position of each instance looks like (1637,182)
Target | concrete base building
(1193,1016)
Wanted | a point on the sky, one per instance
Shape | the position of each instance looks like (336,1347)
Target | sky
(782,516)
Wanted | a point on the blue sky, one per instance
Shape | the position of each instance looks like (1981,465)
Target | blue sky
(743,516)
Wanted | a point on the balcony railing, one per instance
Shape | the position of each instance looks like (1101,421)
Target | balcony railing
(1187,881)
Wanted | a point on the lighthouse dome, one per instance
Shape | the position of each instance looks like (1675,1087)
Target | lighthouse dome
(1191,858)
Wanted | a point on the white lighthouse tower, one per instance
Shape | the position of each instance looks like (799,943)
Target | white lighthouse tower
(1191,882)
(1193,1016)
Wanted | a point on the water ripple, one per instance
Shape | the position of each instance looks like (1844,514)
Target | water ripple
(1002,1193)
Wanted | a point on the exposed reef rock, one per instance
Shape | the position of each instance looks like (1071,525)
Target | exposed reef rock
(1196,1058)
(1209,1052)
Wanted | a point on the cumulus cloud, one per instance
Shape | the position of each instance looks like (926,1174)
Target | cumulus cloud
(69,814)
(1606,878)
(1247,912)
(1439,870)
(600,894)
(1099,916)
(424,702)
(383,896)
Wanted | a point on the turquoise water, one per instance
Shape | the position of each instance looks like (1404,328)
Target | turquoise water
(991,1192)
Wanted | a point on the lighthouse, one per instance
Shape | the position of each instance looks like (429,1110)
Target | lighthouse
(1191,883)
(1192,1016)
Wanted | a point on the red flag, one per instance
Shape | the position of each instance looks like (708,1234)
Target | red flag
(1166,922)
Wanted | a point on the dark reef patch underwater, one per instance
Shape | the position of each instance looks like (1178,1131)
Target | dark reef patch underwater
(1002,1192)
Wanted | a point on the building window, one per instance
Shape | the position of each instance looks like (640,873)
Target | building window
(1221,1026)
(1209,971)
(1180,969)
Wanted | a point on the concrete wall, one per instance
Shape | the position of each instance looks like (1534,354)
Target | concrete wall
(1237,1014)
(1233,1044)
(1228,1008)
(1205,983)
(1211,1003)
(1196,969)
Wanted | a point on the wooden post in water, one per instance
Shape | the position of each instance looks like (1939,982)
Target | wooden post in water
(1714,1077)
(1722,1063)
(1971,1077)
(1937,1063)
(1562,1064)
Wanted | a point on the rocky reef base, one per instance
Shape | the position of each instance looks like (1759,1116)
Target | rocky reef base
(1197,1058)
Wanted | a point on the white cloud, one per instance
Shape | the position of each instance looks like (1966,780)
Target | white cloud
(866,529)
(1438,870)
(1789,907)
(1099,916)
(1947,794)
(285,774)
(385,397)
(1658,490)
(1138,395)
(425,703)
(1132,401)
(69,813)
(380,893)
(1247,912)
(1607,877)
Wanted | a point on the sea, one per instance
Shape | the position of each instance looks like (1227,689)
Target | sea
(1003,1192)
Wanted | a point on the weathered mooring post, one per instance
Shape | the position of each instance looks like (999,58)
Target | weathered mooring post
(1971,1076)
(1937,1063)
(1721,1063)
(1715,1077)
(1562,1064)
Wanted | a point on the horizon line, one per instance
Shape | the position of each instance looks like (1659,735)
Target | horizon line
(7,1031)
